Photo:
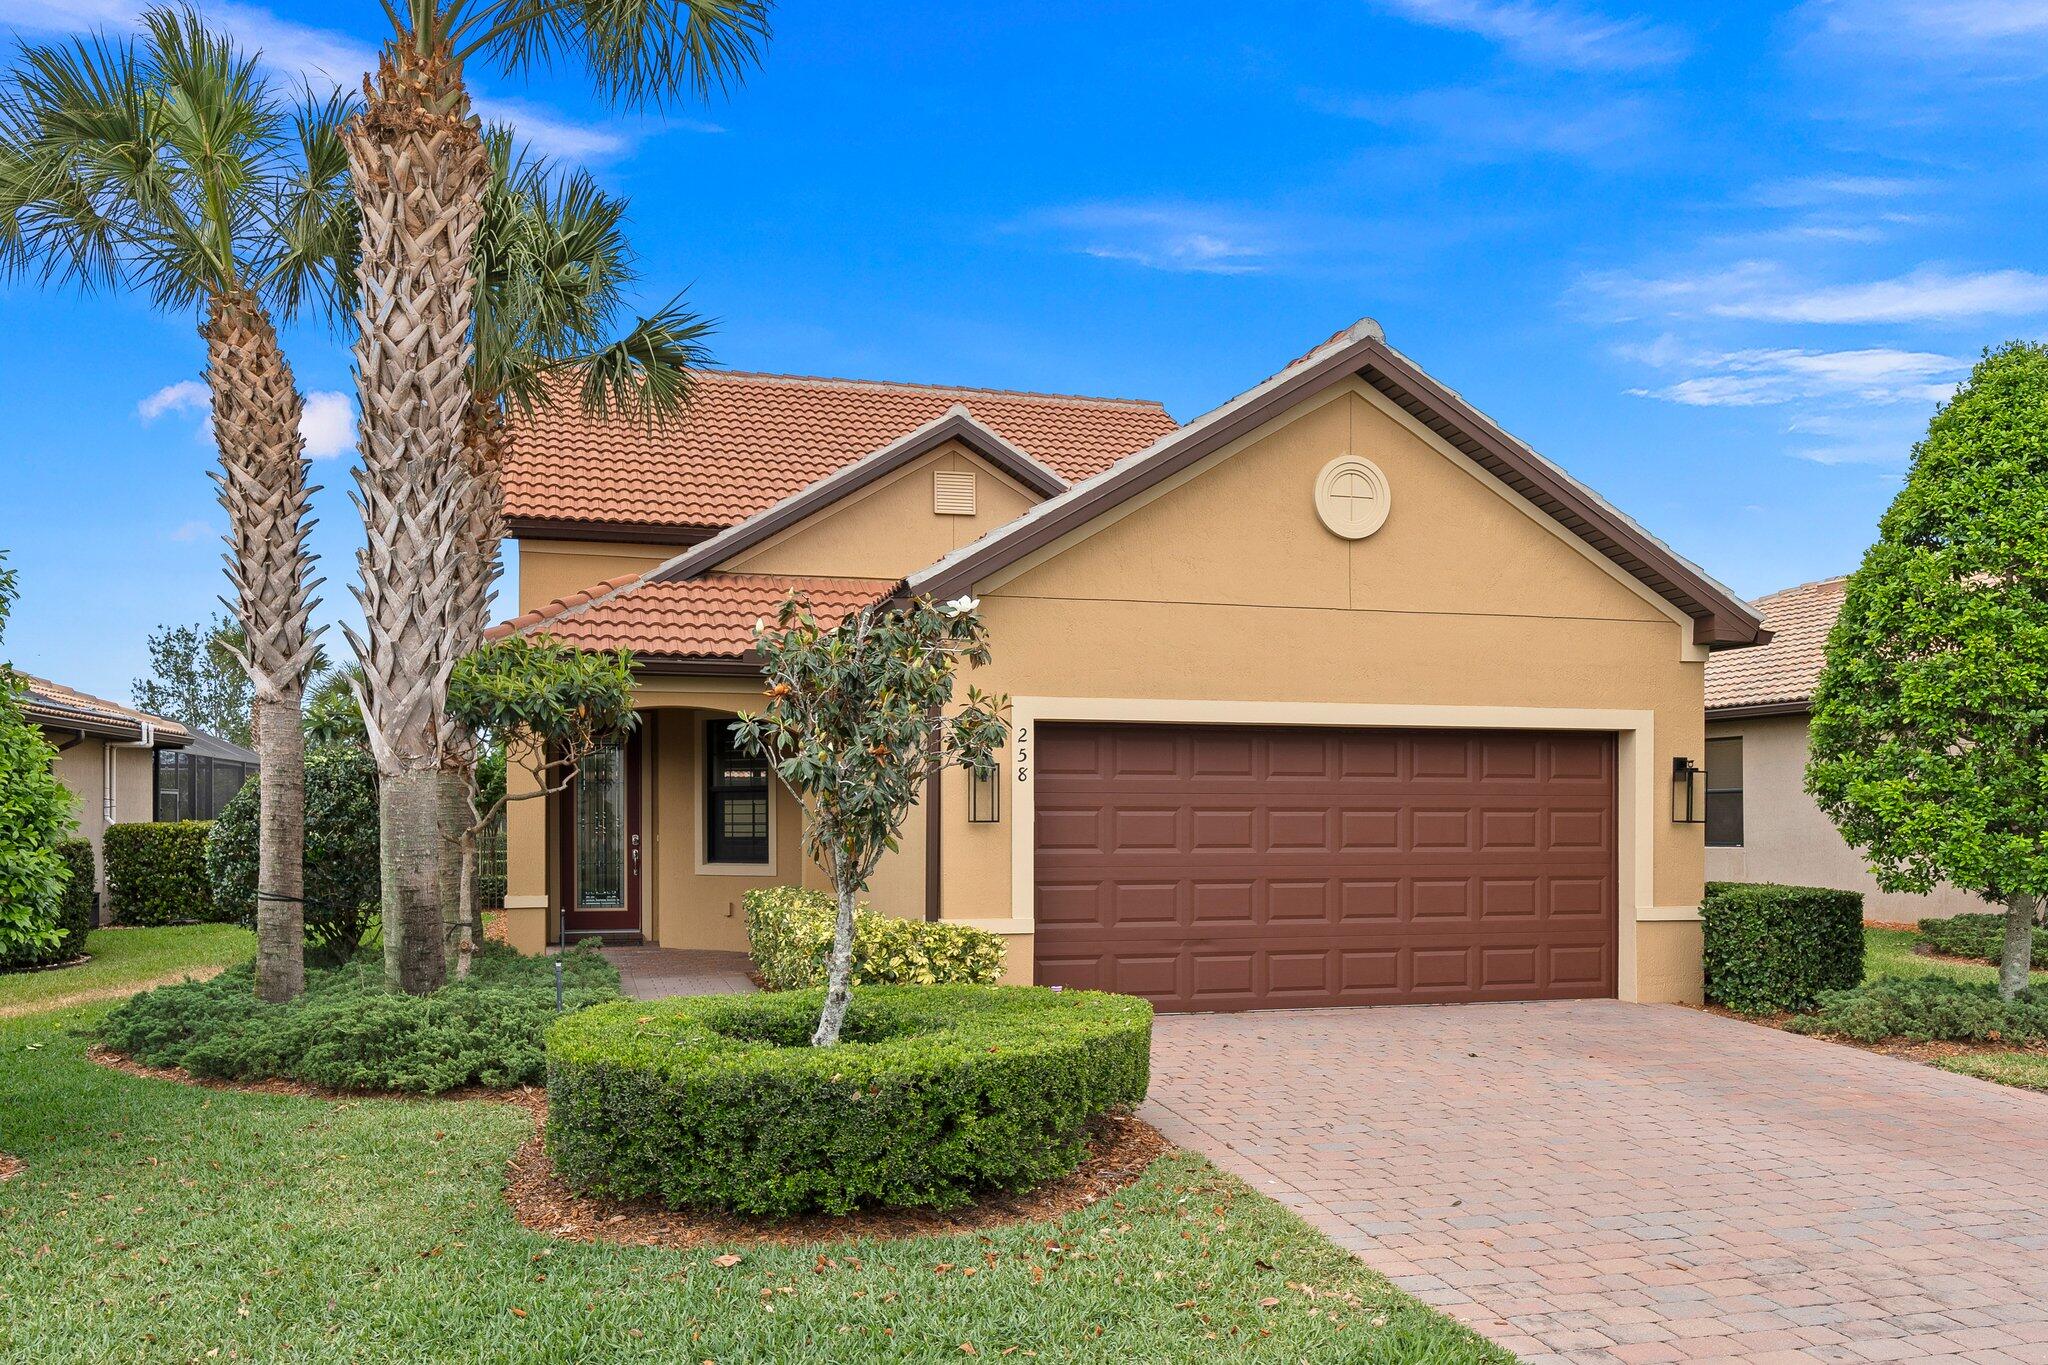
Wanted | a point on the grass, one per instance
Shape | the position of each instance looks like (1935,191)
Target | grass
(1889,952)
(162,1222)
(2027,1070)
(126,960)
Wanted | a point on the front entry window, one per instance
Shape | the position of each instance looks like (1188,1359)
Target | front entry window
(735,799)
(1724,793)
(601,830)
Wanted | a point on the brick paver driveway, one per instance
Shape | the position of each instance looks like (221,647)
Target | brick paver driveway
(1598,1181)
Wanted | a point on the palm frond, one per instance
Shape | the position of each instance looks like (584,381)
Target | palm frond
(318,238)
(645,374)
(638,52)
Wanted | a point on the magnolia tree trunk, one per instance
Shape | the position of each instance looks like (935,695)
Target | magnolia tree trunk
(263,488)
(418,169)
(2018,957)
(451,803)
(839,977)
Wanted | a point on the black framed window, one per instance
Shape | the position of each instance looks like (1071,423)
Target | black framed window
(173,784)
(1724,793)
(192,787)
(735,799)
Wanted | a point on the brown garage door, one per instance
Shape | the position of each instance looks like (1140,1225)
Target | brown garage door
(1213,868)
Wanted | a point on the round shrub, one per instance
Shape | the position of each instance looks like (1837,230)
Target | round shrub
(935,1094)
(1770,947)
(74,913)
(342,887)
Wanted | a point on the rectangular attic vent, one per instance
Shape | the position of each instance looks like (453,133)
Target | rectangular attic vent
(953,493)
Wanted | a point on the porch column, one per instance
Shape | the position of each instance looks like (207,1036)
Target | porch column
(526,864)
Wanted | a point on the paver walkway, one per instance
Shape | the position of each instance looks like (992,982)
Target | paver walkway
(652,973)
(1595,1181)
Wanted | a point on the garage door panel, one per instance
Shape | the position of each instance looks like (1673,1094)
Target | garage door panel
(1240,868)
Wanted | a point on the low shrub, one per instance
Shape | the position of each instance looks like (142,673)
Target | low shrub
(342,886)
(1771,947)
(156,873)
(74,912)
(1929,1008)
(789,932)
(937,1093)
(350,1032)
(1977,936)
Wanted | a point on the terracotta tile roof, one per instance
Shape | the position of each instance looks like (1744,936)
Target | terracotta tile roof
(750,440)
(54,704)
(711,617)
(1785,670)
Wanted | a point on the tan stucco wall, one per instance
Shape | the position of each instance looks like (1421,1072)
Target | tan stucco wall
(1228,589)
(1787,839)
(888,529)
(549,569)
(82,770)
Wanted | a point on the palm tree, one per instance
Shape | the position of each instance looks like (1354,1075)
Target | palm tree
(420,170)
(552,264)
(168,166)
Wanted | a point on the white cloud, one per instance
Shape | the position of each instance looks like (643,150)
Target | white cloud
(1183,238)
(1751,378)
(328,424)
(1828,189)
(190,530)
(1558,35)
(1765,291)
(1482,124)
(187,395)
(1954,37)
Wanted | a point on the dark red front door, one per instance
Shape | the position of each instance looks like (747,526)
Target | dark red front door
(601,843)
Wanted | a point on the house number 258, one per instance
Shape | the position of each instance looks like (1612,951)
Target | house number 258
(1023,753)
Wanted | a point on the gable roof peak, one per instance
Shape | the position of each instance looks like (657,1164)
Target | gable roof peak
(1720,618)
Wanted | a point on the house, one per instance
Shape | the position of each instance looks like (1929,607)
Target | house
(1337,694)
(1761,825)
(106,755)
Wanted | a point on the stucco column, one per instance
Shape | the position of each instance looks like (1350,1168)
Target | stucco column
(526,864)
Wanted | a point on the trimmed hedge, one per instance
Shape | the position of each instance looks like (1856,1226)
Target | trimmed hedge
(1929,1008)
(1771,947)
(74,911)
(1977,936)
(937,1093)
(789,933)
(349,1032)
(156,873)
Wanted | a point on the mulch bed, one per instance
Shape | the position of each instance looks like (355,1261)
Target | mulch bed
(1121,1148)
(78,961)
(529,1097)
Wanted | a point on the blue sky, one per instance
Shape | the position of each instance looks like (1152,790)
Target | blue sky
(1719,262)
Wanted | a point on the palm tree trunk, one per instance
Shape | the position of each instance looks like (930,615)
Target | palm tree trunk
(263,488)
(418,169)
(280,846)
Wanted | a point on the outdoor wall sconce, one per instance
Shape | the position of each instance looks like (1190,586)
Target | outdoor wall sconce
(1685,808)
(985,797)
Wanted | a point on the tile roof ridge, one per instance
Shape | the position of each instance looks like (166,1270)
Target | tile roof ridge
(54,693)
(556,608)
(1828,582)
(914,386)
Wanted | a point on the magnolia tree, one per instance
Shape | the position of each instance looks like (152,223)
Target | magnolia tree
(1929,743)
(546,707)
(857,717)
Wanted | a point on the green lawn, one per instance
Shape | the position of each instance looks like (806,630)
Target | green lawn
(123,960)
(158,1221)
(1889,952)
(2027,1070)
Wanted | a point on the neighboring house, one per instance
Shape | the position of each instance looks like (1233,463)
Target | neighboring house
(106,755)
(1337,694)
(1761,825)
(197,781)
